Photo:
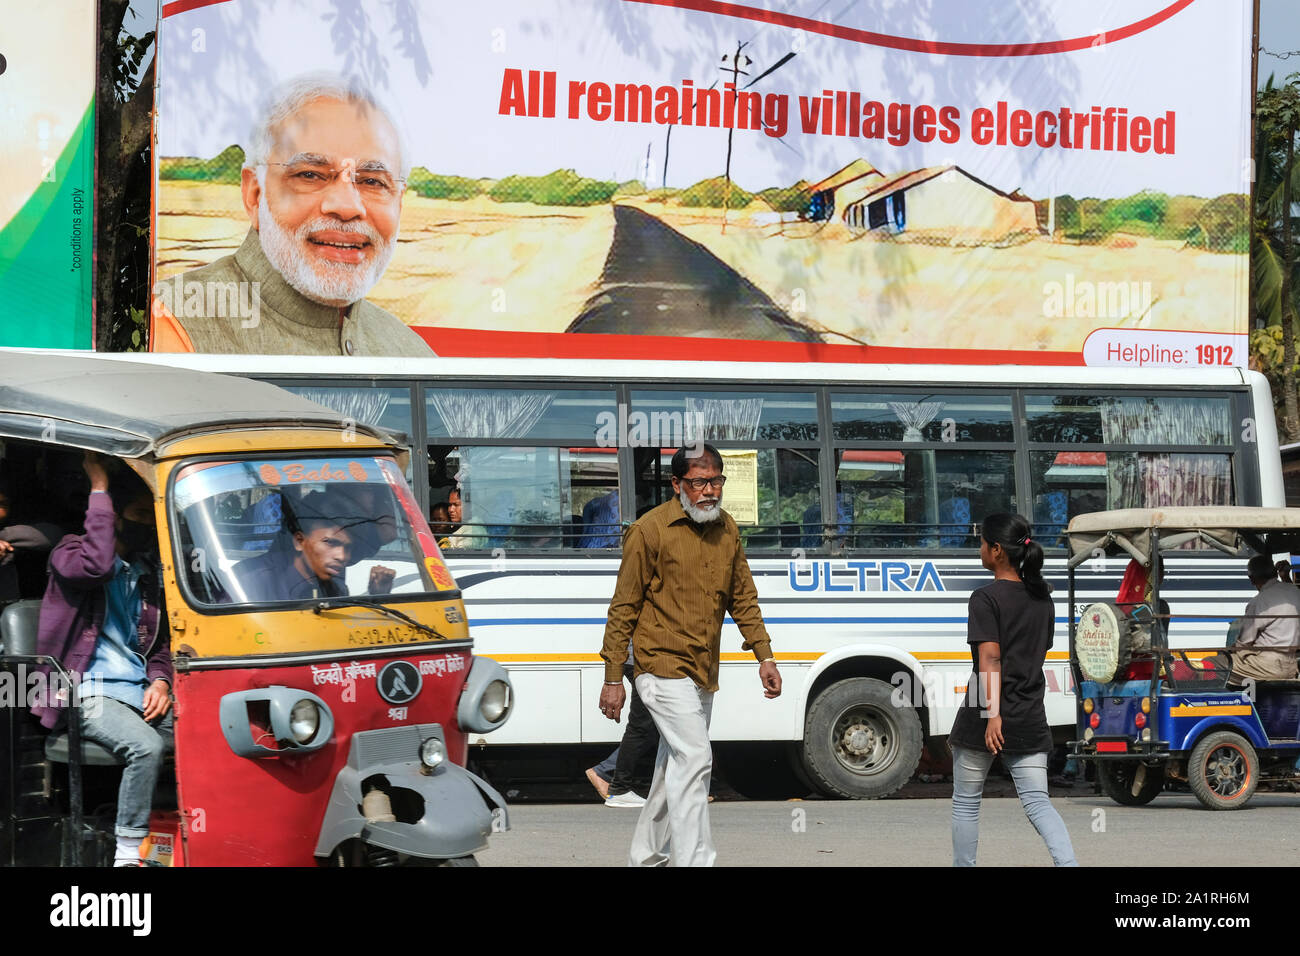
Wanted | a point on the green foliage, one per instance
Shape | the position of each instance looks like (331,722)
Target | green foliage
(433,186)
(713,194)
(1067,213)
(633,187)
(787,198)
(1219,225)
(223,168)
(1222,225)
(564,187)
(1273,273)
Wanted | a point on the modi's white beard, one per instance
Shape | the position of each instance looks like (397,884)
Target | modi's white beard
(700,515)
(328,283)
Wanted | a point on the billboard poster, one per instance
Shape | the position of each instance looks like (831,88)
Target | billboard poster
(1044,182)
(47,152)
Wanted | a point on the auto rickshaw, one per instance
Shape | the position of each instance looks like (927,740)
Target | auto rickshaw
(1149,713)
(329,729)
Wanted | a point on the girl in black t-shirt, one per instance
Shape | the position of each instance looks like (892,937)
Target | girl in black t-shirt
(1009,628)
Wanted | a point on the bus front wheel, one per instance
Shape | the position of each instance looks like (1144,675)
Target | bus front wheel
(858,743)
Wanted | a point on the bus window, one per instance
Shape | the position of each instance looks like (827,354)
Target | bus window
(941,417)
(770,492)
(1068,483)
(559,415)
(369,405)
(677,418)
(533,498)
(1129,419)
(920,499)
(536,469)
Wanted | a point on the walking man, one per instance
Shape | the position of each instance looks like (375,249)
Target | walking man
(683,570)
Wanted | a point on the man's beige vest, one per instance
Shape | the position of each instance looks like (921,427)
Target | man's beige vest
(283,321)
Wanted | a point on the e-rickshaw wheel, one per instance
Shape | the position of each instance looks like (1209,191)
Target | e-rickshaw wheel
(1117,781)
(1223,770)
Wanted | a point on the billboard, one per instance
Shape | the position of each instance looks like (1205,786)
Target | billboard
(1044,182)
(47,153)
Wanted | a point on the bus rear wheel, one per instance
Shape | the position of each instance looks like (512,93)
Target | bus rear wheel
(1223,771)
(858,743)
(1130,783)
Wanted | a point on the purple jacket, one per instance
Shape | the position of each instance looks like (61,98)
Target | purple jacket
(72,612)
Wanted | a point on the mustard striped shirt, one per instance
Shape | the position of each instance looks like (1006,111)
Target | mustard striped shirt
(677,581)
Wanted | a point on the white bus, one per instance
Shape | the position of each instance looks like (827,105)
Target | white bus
(859,490)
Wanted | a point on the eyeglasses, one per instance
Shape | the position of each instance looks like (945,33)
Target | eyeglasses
(696,484)
(308,178)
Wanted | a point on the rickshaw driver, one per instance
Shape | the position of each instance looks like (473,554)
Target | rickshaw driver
(323,547)
(1253,656)
(100,617)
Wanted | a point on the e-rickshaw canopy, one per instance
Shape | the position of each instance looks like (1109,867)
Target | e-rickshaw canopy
(1234,530)
(128,409)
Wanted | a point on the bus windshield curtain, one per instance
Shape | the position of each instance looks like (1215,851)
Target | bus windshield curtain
(1163,479)
(498,486)
(722,419)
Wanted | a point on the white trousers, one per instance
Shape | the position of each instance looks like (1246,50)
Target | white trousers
(673,828)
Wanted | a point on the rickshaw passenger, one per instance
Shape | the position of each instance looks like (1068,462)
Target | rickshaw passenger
(324,539)
(1270,621)
(100,617)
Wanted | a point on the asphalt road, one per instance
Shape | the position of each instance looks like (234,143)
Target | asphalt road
(1172,831)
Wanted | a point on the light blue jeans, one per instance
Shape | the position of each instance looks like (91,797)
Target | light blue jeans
(123,731)
(1029,772)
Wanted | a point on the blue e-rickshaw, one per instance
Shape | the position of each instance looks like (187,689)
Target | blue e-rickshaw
(1149,714)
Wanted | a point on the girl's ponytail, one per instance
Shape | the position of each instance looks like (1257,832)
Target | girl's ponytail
(1012,532)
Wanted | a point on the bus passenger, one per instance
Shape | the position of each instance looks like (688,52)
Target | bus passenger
(1009,627)
(440,522)
(100,618)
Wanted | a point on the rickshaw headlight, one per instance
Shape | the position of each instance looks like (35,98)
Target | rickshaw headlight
(1146,734)
(1146,705)
(1088,734)
(495,702)
(1088,705)
(1140,721)
(433,752)
(304,720)
(1094,721)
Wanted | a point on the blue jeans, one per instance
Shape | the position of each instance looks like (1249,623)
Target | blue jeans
(123,730)
(1029,771)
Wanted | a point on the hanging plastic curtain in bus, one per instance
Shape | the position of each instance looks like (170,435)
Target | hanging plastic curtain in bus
(364,405)
(1167,480)
(1158,479)
(915,416)
(722,419)
(1165,420)
(503,489)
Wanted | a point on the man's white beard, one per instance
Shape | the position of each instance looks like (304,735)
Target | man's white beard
(700,515)
(327,282)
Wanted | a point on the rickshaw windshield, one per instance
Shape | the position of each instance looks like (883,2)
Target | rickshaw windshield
(279,531)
